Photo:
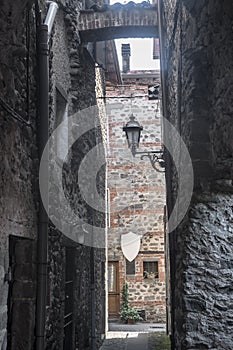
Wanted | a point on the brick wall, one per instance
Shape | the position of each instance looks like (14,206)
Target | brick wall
(137,195)
(123,22)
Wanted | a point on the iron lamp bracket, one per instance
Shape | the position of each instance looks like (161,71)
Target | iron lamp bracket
(156,159)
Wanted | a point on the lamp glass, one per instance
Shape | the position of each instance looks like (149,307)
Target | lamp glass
(133,133)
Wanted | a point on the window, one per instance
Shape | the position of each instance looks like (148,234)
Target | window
(153,92)
(130,267)
(150,269)
(112,277)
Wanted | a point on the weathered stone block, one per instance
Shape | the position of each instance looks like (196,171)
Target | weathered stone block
(3,317)
(194,303)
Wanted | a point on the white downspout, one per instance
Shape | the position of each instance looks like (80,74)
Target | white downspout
(49,20)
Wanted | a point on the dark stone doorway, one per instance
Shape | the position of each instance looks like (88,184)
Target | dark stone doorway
(22,294)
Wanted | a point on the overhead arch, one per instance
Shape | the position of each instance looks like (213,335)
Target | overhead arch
(119,21)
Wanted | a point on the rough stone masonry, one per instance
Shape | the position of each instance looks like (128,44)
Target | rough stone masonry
(72,81)
(198,90)
(137,195)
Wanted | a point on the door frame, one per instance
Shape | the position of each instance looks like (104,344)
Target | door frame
(115,293)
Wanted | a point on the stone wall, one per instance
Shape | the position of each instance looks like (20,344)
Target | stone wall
(19,164)
(72,75)
(72,71)
(198,50)
(137,195)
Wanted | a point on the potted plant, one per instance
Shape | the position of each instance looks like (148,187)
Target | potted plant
(128,313)
(149,275)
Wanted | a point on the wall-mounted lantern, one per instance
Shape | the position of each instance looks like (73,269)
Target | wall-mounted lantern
(133,132)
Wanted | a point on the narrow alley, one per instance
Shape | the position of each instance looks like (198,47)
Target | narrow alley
(116,182)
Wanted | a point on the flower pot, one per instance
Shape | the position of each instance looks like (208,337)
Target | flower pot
(130,321)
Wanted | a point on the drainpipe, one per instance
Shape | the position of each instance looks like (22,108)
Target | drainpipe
(44,32)
(49,20)
(93,301)
(168,164)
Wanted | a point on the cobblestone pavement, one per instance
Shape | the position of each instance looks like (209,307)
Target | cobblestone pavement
(133,337)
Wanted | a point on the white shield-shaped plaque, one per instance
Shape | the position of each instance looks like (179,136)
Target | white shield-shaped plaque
(130,245)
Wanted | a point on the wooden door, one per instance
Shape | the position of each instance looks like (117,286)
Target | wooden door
(113,289)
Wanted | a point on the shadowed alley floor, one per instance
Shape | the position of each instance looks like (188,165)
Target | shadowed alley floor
(141,336)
